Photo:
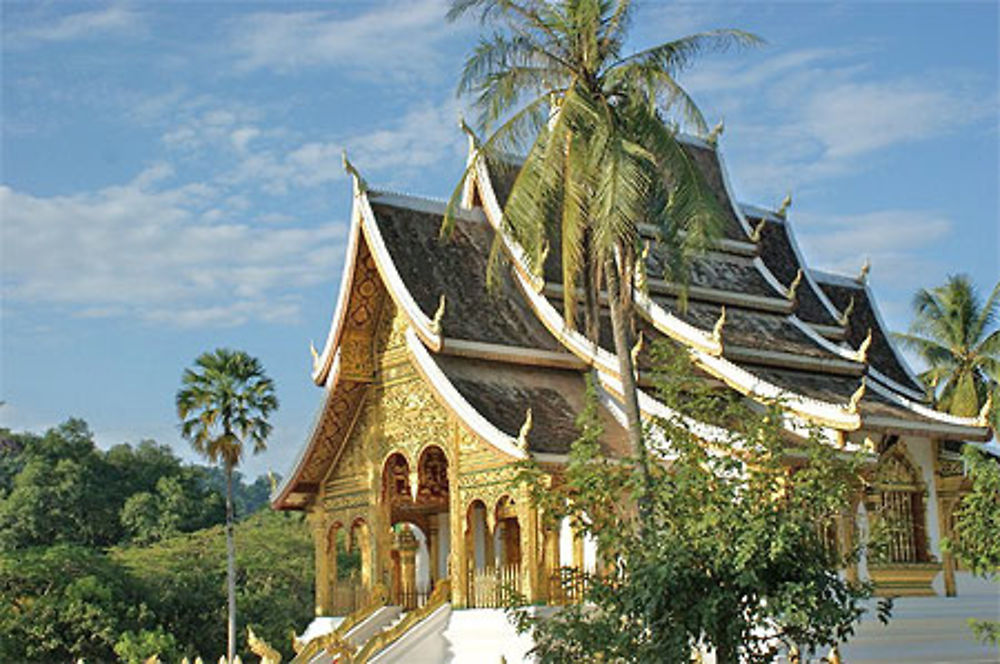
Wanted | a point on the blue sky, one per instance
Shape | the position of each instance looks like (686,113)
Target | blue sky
(171,177)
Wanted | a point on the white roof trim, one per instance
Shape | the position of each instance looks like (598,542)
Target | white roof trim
(841,280)
(300,458)
(474,421)
(836,313)
(753,386)
(704,349)
(511,354)
(321,365)
(394,283)
(920,409)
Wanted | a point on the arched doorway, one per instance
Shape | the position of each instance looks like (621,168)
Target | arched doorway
(898,503)
(419,522)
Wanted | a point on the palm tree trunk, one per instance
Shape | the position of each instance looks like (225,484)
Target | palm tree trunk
(230,567)
(630,393)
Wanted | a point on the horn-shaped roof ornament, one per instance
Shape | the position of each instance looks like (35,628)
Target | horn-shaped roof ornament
(473,139)
(845,316)
(719,325)
(438,315)
(522,435)
(852,405)
(713,136)
(786,203)
(359,182)
(984,412)
(861,354)
(793,288)
(865,269)
(758,230)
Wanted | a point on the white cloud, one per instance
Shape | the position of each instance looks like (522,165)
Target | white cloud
(82,25)
(892,239)
(174,254)
(809,115)
(398,39)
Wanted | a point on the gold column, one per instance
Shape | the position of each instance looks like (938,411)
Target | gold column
(527,517)
(433,548)
(318,526)
(551,555)
(945,509)
(458,561)
(406,545)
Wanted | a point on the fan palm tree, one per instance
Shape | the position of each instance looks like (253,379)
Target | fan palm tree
(602,159)
(954,333)
(223,404)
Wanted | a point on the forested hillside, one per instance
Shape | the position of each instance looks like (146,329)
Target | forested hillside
(119,554)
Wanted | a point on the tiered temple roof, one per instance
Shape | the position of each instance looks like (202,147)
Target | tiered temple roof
(811,339)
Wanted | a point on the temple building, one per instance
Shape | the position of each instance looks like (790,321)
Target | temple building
(433,389)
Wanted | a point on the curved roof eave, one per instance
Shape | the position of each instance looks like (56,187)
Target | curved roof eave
(453,400)
(283,490)
(836,279)
(706,351)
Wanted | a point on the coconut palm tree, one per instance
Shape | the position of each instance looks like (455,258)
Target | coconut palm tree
(601,157)
(223,404)
(954,332)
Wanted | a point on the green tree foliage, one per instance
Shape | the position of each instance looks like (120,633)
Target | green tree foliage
(735,552)
(954,332)
(183,578)
(178,504)
(602,160)
(224,403)
(62,603)
(60,494)
(977,526)
(64,597)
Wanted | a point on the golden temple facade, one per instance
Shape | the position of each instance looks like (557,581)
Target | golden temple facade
(434,390)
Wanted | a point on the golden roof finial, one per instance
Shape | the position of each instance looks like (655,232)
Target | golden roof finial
(314,352)
(641,274)
(793,288)
(353,172)
(758,230)
(845,316)
(786,203)
(852,406)
(984,412)
(273,480)
(713,136)
(522,435)
(861,354)
(719,325)
(438,315)
(634,353)
(865,269)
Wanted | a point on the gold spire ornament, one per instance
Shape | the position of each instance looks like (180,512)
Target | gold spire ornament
(845,315)
(793,288)
(786,203)
(852,406)
(718,327)
(313,352)
(713,136)
(758,230)
(865,269)
(634,353)
(353,172)
(861,354)
(984,412)
(522,436)
(438,315)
